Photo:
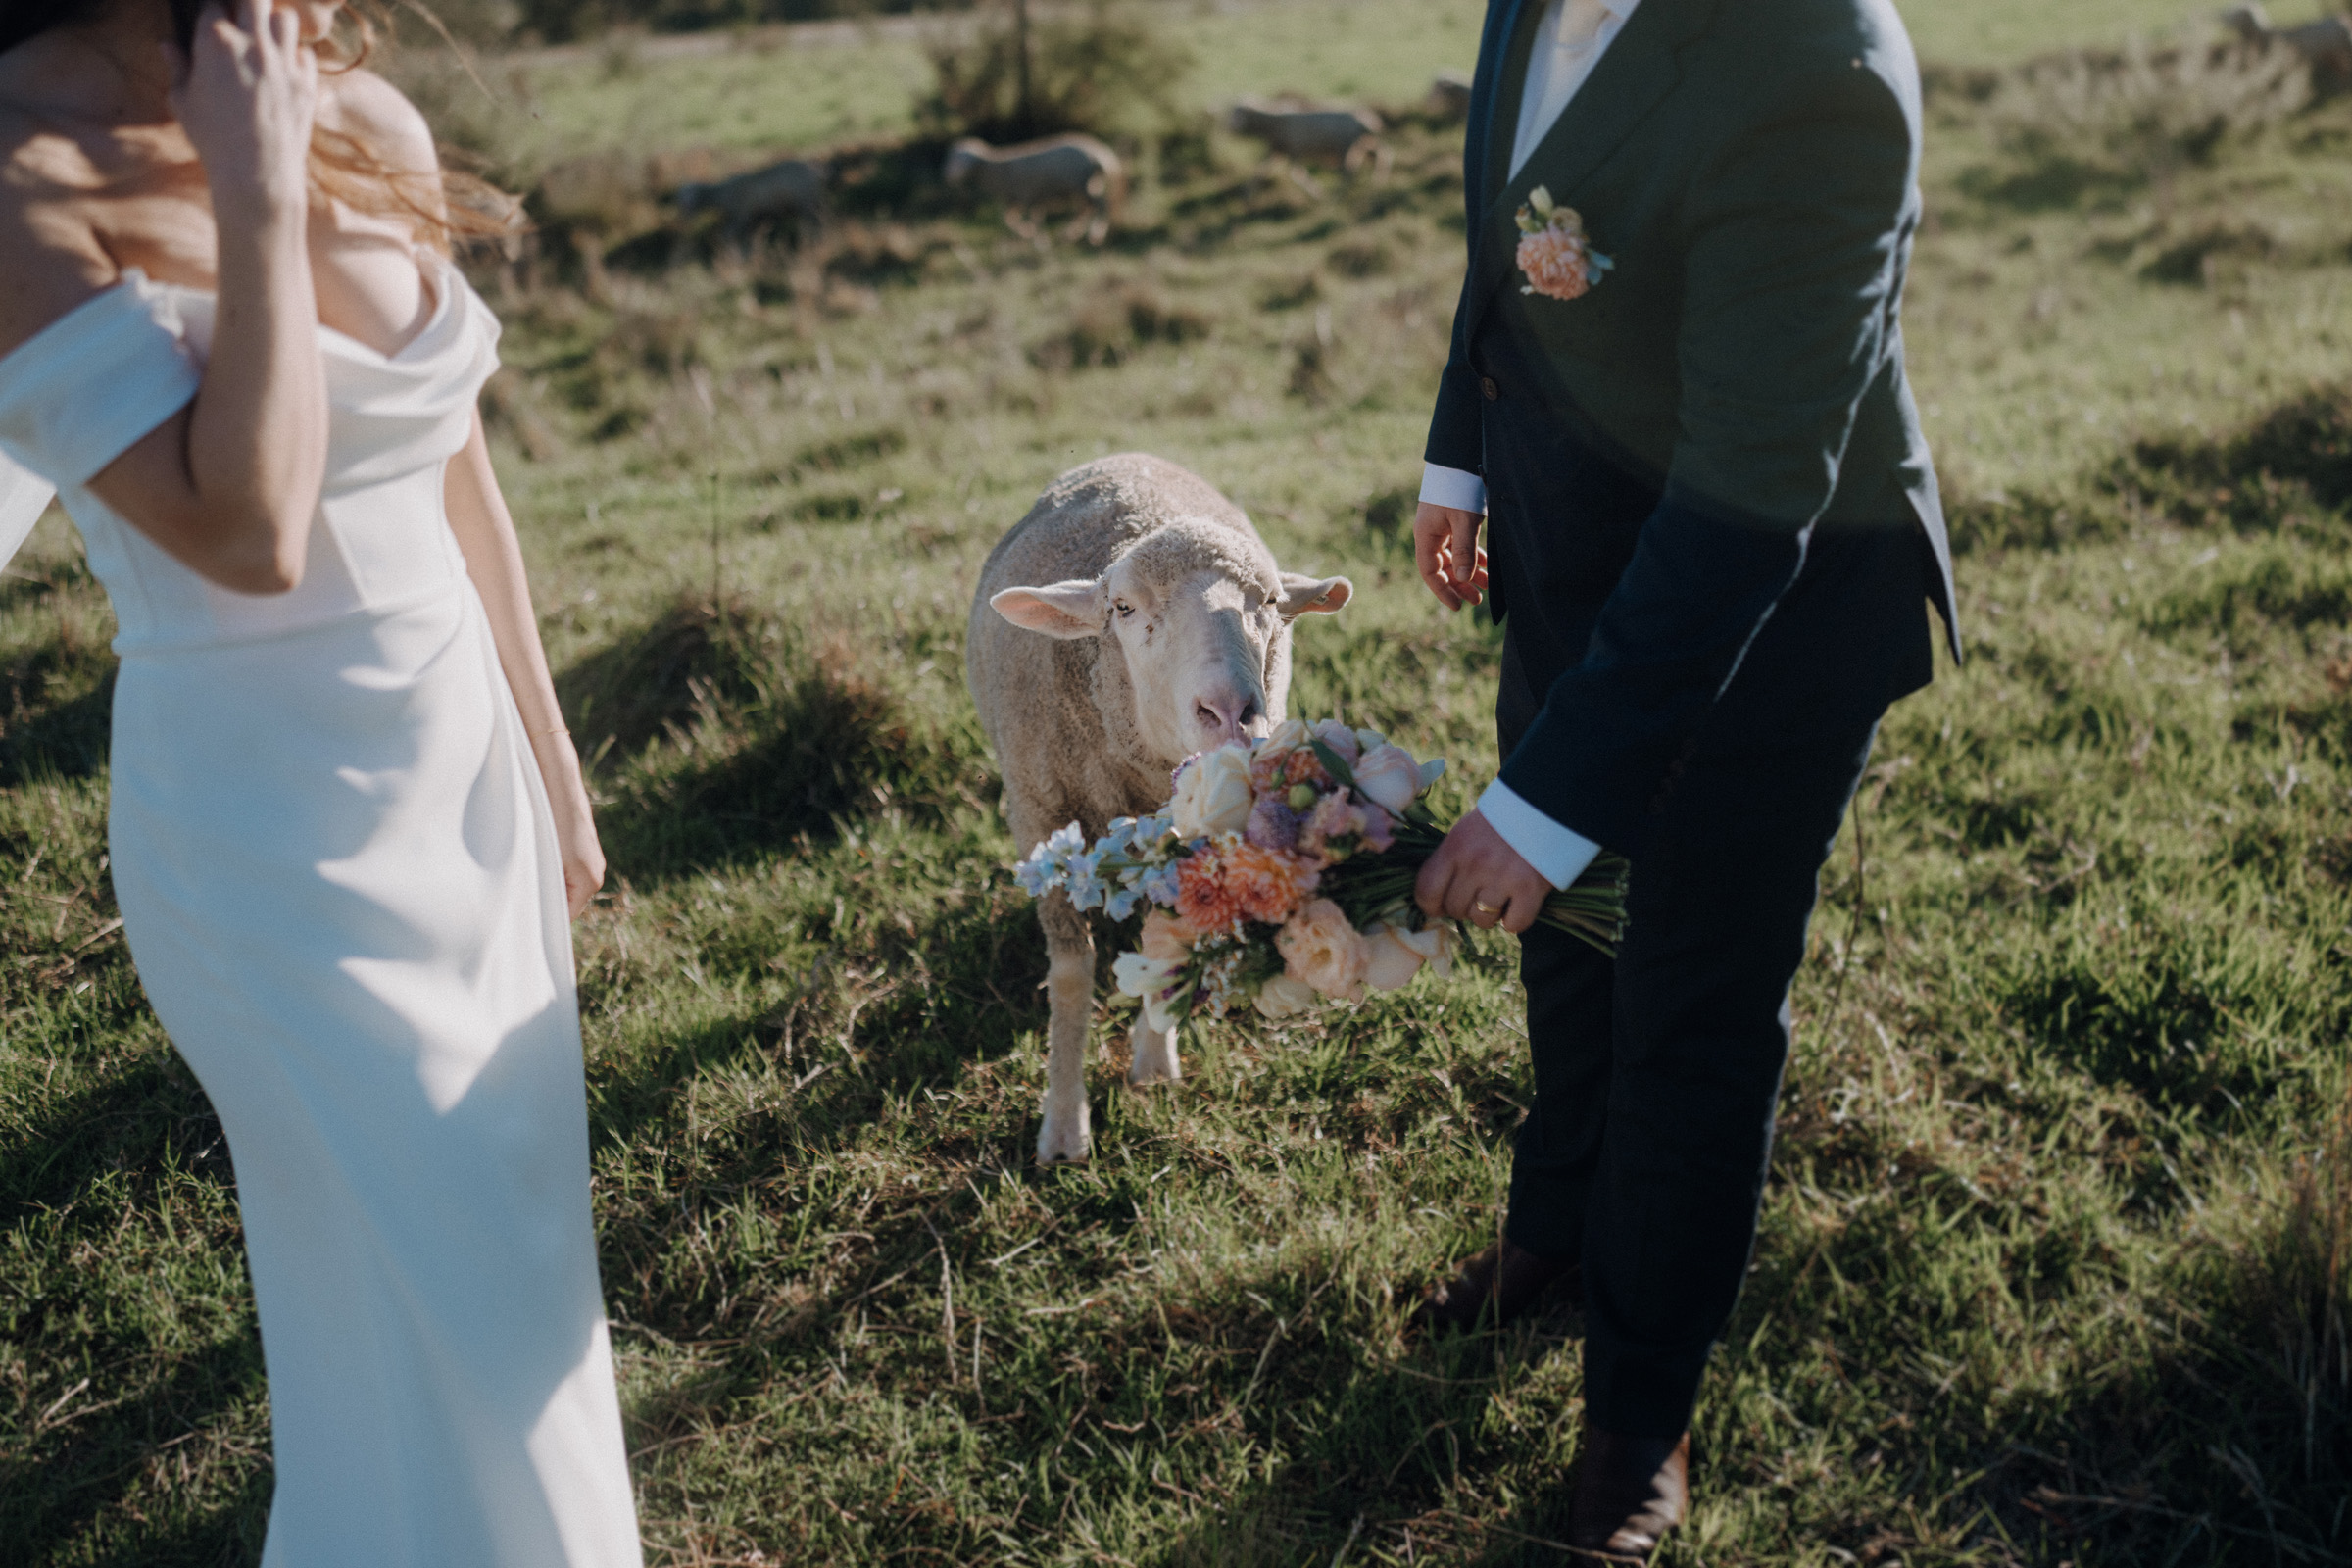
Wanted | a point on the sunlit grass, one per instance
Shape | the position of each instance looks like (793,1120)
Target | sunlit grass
(2046,1273)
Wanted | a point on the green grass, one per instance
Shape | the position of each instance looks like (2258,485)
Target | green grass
(2054,1258)
(793,91)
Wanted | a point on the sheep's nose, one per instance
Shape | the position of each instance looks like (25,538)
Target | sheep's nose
(1229,718)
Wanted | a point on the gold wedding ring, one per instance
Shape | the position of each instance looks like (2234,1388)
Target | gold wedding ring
(1484,908)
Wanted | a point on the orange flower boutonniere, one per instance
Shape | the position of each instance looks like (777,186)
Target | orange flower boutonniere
(1557,260)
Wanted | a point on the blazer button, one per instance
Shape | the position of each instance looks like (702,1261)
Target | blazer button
(1486,384)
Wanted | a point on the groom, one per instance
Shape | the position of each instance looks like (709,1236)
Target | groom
(1676,396)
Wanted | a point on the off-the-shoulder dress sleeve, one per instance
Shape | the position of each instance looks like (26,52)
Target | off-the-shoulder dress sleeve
(78,392)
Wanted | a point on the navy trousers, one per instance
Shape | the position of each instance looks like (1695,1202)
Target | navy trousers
(1656,1076)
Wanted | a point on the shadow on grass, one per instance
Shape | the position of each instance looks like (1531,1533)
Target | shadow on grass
(57,692)
(66,1493)
(765,741)
(2289,470)
(2232,1440)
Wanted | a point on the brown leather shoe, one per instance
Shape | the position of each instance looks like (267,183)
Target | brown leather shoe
(1501,1284)
(1629,1492)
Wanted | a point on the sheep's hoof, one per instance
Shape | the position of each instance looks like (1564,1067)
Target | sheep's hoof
(1065,1140)
(1155,1062)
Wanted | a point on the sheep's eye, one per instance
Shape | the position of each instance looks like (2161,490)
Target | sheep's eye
(1124,610)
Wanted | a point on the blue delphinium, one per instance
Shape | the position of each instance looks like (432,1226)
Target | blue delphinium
(1082,879)
(1046,867)
(1159,885)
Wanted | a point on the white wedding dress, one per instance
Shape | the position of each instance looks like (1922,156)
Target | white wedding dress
(340,883)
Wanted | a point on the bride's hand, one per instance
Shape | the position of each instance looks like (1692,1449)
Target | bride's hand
(247,94)
(575,822)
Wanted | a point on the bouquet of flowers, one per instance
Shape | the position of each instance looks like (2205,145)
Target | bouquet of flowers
(1281,872)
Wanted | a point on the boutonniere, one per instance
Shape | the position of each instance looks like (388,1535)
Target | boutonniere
(1558,262)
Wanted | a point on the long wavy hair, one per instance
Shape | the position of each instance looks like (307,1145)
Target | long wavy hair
(458,207)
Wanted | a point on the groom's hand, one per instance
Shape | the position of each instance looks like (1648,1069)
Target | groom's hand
(1445,547)
(1475,876)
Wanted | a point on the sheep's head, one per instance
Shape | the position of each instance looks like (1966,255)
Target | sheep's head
(962,158)
(2249,22)
(1206,642)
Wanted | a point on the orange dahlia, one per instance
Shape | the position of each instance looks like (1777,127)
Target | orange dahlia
(1268,884)
(1204,902)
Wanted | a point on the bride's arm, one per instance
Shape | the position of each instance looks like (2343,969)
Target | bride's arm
(229,485)
(485,532)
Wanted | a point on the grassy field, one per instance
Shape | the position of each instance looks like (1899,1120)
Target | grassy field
(797,88)
(2057,1258)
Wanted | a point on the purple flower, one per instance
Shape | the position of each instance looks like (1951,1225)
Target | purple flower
(1272,826)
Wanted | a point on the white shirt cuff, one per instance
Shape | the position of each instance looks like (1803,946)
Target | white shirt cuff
(1560,855)
(1458,488)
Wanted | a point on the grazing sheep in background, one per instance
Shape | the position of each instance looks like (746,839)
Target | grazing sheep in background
(1132,619)
(792,189)
(1341,137)
(1041,173)
(1449,96)
(2325,45)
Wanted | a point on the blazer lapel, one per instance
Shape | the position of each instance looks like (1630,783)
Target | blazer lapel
(1636,73)
(1510,92)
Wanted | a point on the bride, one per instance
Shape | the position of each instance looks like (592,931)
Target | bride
(347,826)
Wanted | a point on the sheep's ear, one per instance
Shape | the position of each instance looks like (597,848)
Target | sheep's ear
(1313,596)
(1072,609)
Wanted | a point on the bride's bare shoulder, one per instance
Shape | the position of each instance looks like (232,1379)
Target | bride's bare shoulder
(362,105)
(49,253)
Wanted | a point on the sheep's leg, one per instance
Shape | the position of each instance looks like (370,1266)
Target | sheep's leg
(1155,1059)
(1066,1132)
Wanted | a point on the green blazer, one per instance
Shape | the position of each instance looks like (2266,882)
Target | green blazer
(1750,168)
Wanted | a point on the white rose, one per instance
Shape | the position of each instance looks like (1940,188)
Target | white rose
(1370,738)
(1283,997)
(1213,794)
(1430,771)
(1390,960)
(1149,980)
(1389,777)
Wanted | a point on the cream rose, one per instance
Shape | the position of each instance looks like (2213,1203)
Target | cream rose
(1389,961)
(1167,939)
(1320,947)
(1389,777)
(1284,998)
(1434,941)
(1213,794)
(1286,736)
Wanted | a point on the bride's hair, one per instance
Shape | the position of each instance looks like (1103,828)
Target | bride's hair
(455,207)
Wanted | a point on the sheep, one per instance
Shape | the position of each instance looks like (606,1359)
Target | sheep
(1449,96)
(792,189)
(2325,45)
(1132,619)
(1341,137)
(1035,174)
